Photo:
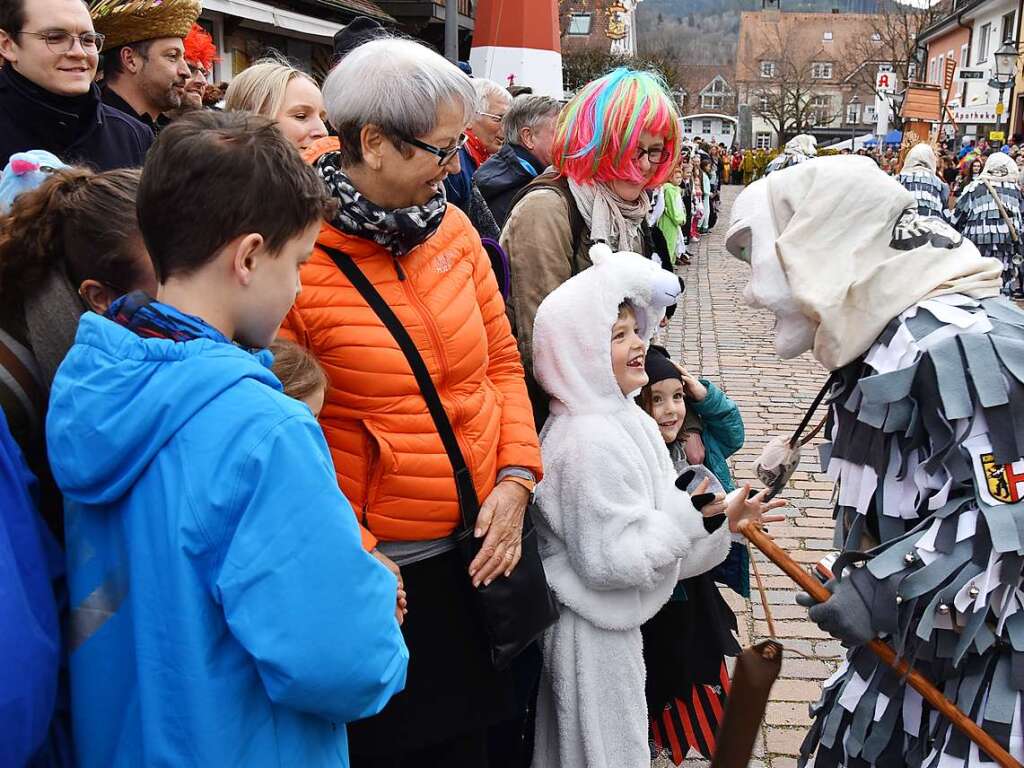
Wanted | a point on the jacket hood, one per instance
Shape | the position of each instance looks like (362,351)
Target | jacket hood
(573,327)
(840,244)
(503,170)
(119,398)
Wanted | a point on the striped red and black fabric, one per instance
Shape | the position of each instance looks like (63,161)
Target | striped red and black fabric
(693,722)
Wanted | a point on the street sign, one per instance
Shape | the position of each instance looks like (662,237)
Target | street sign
(996,136)
(970,74)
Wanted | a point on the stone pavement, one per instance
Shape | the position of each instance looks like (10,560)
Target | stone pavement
(717,336)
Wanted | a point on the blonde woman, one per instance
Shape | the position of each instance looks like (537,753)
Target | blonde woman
(274,89)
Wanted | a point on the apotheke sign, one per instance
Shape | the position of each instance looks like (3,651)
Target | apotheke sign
(985,114)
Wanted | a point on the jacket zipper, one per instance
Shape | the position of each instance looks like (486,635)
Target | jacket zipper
(435,339)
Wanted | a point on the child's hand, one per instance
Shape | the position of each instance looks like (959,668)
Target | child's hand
(692,386)
(741,505)
(693,448)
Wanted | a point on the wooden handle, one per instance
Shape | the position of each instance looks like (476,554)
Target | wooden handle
(884,651)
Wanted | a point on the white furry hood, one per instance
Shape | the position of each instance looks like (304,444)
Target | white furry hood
(572,329)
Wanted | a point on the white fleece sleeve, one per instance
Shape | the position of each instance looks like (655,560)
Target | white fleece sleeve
(613,537)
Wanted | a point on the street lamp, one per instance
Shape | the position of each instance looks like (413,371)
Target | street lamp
(1005,71)
(854,102)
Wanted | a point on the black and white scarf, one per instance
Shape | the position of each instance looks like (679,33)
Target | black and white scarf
(398,230)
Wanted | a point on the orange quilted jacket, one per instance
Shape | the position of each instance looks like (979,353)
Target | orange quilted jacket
(388,456)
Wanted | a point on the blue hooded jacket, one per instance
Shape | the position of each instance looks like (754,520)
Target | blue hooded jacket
(223,610)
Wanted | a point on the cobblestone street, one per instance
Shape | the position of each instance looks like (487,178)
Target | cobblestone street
(720,338)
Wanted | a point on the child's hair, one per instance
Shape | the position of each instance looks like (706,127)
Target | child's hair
(79,221)
(212,176)
(260,88)
(599,129)
(300,373)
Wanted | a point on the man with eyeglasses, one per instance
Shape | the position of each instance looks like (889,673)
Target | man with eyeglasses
(200,53)
(144,67)
(48,99)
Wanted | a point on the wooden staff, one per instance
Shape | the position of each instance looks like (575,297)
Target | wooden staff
(929,692)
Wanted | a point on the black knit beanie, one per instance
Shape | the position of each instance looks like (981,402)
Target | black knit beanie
(659,366)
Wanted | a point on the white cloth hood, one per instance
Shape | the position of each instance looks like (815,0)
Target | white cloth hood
(573,325)
(921,157)
(804,144)
(999,167)
(841,243)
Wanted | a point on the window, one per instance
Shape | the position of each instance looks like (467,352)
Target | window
(726,129)
(763,140)
(762,103)
(711,101)
(821,70)
(852,114)
(964,54)
(687,126)
(705,126)
(932,71)
(827,37)
(820,109)
(870,115)
(767,69)
(1007,27)
(940,70)
(876,37)
(579,23)
(983,39)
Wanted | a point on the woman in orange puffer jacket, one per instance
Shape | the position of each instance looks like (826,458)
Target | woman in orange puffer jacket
(427,262)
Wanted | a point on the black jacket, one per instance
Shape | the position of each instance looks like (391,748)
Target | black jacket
(502,175)
(113,99)
(77,129)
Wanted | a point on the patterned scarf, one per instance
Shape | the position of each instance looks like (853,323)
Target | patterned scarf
(611,219)
(398,230)
(148,318)
(476,148)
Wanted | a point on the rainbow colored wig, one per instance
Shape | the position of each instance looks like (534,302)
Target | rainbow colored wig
(599,130)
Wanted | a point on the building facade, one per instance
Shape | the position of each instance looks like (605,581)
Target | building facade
(804,73)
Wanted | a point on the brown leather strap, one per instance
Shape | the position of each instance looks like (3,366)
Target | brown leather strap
(762,593)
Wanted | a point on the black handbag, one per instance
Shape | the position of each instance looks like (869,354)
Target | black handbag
(514,610)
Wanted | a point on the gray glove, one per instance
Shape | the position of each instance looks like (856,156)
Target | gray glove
(846,615)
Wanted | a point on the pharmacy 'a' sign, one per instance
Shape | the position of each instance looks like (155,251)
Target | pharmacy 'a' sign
(885,82)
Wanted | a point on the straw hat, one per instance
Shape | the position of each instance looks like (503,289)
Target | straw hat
(137,20)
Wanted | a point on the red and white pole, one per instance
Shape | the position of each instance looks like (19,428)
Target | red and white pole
(518,39)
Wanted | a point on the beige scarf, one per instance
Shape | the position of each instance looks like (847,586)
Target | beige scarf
(611,219)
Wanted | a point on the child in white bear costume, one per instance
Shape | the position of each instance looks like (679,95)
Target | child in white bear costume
(615,532)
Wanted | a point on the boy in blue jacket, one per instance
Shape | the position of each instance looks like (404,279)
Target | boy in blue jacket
(223,610)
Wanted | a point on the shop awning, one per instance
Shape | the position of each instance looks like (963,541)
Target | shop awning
(273,17)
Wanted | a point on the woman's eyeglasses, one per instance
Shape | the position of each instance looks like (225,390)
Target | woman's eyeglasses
(59,41)
(655,155)
(492,117)
(445,155)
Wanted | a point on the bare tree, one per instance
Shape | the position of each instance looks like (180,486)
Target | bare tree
(892,41)
(785,94)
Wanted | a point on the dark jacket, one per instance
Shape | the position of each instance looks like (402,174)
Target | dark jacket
(458,186)
(77,129)
(113,99)
(503,174)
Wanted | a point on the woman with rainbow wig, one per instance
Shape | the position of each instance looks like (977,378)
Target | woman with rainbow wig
(616,139)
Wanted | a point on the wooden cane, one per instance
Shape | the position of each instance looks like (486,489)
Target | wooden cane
(919,683)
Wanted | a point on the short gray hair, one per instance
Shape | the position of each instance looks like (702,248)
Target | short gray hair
(399,86)
(486,90)
(526,112)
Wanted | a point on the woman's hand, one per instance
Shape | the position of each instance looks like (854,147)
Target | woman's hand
(501,524)
(401,604)
(743,506)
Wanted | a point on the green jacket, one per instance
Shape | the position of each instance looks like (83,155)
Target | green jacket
(673,218)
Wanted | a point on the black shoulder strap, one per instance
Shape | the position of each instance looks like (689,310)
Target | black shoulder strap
(468,503)
(551,180)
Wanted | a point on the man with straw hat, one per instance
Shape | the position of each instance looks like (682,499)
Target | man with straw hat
(145,71)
